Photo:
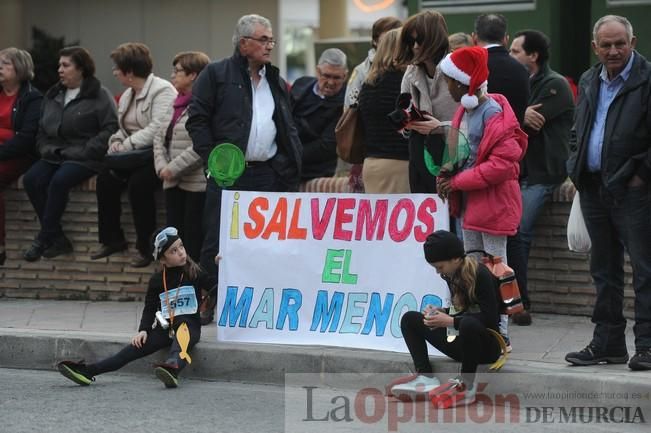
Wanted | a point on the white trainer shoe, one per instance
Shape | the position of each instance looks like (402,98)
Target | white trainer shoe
(420,385)
(454,393)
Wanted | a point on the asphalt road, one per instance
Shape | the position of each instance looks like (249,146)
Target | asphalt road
(45,402)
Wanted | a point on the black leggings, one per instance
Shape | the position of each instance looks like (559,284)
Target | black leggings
(474,345)
(156,339)
(141,184)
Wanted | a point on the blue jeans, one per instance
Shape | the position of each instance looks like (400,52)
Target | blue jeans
(48,186)
(260,177)
(534,198)
(616,224)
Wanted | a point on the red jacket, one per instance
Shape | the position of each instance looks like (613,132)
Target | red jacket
(494,201)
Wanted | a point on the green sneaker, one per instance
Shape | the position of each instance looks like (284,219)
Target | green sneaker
(75,371)
(167,375)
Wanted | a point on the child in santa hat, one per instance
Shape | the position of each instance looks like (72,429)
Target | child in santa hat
(486,192)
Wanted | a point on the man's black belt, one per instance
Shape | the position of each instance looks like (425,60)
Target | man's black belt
(593,176)
(256,163)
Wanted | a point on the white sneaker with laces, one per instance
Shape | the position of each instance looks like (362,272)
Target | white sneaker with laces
(464,396)
(420,385)
(456,394)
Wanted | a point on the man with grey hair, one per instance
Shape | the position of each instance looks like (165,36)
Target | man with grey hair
(611,168)
(243,100)
(317,104)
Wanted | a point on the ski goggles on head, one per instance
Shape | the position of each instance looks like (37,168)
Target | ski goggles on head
(163,240)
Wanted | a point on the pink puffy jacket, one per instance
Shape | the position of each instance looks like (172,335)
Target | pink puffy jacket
(494,202)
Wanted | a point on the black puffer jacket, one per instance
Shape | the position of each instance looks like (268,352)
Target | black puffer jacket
(24,118)
(626,147)
(221,112)
(79,131)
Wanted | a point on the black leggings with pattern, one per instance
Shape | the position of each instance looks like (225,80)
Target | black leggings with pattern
(156,339)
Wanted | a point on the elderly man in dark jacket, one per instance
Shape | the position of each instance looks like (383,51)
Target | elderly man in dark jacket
(317,104)
(243,100)
(611,168)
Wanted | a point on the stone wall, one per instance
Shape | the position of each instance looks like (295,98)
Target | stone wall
(559,280)
(73,276)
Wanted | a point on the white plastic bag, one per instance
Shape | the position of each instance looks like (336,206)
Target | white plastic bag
(578,239)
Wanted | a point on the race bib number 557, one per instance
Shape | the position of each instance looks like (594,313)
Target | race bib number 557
(182,301)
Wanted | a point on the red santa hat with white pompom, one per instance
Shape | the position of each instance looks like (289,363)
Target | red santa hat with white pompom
(469,66)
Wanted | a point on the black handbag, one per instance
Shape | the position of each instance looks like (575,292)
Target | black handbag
(130,159)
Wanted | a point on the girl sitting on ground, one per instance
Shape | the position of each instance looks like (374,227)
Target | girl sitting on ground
(466,332)
(170,317)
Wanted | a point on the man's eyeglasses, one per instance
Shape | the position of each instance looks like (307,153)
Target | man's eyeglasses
(177,70)
(263,40)
(331,77)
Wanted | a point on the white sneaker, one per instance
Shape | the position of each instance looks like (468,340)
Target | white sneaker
(507,340)
(458,394)
(420,385)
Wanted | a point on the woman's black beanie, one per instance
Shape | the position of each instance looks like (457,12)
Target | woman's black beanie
(443,245)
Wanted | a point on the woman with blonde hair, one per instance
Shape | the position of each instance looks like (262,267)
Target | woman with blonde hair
(386,166)
(177,165)
(465,331)
(459,40)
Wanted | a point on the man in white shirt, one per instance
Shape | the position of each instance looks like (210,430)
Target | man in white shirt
(243,100)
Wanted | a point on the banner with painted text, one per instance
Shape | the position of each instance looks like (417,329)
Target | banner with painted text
(325,269)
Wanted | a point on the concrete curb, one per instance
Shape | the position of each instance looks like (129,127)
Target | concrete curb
(269,364)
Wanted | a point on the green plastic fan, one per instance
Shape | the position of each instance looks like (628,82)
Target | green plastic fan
(226,164)
(447,152)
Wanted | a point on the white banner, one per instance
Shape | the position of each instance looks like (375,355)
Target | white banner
(325,269)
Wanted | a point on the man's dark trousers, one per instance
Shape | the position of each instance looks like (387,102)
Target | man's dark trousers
(256,177)
(614,224)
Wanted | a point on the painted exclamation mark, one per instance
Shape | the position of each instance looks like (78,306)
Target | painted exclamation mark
(235,218)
